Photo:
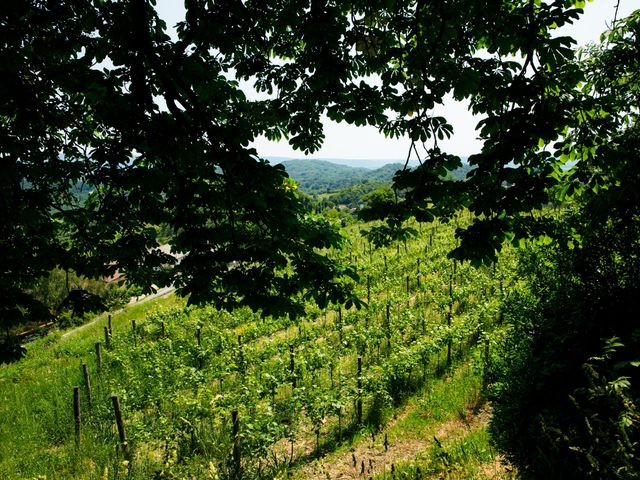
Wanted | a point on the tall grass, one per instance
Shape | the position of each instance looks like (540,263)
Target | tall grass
(36,404)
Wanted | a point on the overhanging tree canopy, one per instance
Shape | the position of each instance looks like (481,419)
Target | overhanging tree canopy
(97,92)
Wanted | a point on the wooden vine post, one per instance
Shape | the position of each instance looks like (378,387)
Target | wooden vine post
(388,327)
(107,338)
(359,387)
(76,414)
(368,289)
(87,383)
(449,315)
(120,424)
(241,362)
(408,290)
(110,325)
(292,365)
(235,433)
(485,369)
(99,355)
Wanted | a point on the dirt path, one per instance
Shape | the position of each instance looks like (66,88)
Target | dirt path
(134,301)
(369,458)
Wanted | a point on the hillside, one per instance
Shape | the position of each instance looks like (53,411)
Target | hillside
(392,389)
(343,184)
(321,176)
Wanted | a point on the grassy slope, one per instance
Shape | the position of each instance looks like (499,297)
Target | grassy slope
(36,431)
(36,393)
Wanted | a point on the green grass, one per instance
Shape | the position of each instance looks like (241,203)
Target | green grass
(36,404)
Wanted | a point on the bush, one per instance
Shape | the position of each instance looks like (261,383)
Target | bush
(566,396)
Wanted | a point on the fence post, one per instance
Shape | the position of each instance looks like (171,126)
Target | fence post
(292,366)
(119,423)
(485,376)
(235,422)
(110,326)
(87,382)
(449,317)
(99,355)
(76,413)
(107,338)
(359,387)
(388,326)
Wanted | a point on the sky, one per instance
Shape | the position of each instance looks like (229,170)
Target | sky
(351,142)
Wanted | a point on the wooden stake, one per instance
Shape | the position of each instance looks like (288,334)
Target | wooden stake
(235,425)
(87,383)
(119,423)
(485,376)
(107,338)
(388,325)
(359,393)
(76,414)
(292,366)
(99,355)
(110,325)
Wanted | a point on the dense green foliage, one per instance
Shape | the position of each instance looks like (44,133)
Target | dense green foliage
(351,197)
(98,93)
(568,397)
(567,391)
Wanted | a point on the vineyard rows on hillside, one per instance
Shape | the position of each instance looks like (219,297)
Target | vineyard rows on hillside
(208,394)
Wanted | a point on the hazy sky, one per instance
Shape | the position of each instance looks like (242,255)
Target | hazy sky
(347,141)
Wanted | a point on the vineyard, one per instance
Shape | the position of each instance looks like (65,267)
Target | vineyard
(169,391)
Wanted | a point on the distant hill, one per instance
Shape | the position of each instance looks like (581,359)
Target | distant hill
(349,162)
(317,177)
(321,176)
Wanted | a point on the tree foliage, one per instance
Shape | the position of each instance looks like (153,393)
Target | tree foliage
(566,403)
(98,93)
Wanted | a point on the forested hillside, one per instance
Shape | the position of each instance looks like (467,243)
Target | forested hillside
(320,176)
(333,184)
